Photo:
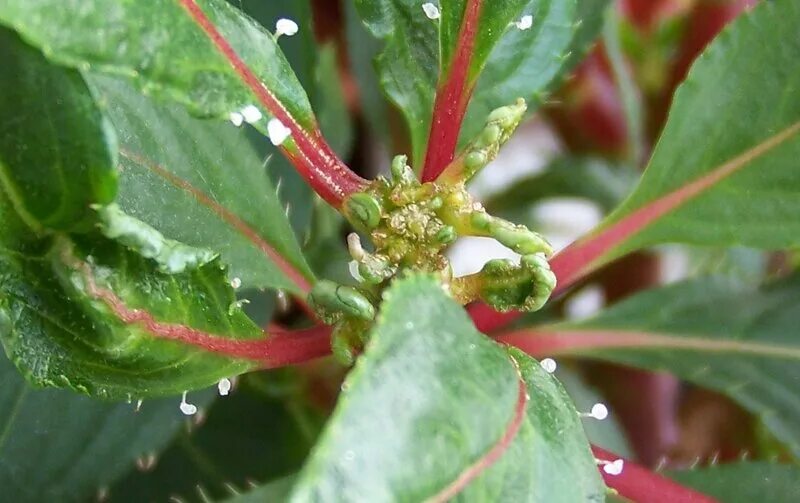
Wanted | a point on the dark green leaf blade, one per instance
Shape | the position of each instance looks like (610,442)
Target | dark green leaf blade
(714,332)
(745,482)
(261,431)
(58,446)
(59,330)
(57,151)
(202,184)
(515,63)
(160,47)
(407,426)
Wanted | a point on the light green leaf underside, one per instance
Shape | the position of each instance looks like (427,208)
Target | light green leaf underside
(741,93)
(218,178)
(158,45)
(514,63)
(716,333)
(430,397)
(58,446)
(745,482)
(56,150)
(56,331)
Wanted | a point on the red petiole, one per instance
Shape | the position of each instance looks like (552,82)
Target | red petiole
(314,159)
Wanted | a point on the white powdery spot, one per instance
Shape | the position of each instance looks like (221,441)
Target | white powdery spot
(525,23)
(599,411)
(251,114)
(236,118)
(278,132)
(286,27)
(431,10)
(236,283)
(187,408)
(614,467)
(224,386)
(549,365)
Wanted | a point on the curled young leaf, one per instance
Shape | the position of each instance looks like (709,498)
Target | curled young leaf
(89,314)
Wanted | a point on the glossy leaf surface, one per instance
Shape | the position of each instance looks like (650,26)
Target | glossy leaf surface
(201,183)
(406,425)
(160,47)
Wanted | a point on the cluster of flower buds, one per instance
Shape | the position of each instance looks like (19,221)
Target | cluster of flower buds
(410,225)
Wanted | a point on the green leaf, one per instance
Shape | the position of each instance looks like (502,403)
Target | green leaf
(745,482)
(56,150)
(514,63)
(57,327)
(159,47)
(201,183)
(58,446)
(714,332)
(429,406)
(724,171)
(226,452)
(362,50)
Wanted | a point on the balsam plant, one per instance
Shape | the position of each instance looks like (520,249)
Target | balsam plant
(147,252)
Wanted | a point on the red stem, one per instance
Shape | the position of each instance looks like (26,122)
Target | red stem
(639,484)
(452,98)
(227,216)
(314,159)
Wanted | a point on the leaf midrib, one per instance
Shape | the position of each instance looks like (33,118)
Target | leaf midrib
(611,338)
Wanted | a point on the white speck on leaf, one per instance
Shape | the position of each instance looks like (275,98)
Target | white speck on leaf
(224,386)
(431,10)
(614,467)
(525,23)
(599,411)
(278,132)
(236,283)
(236,118)
(251,114)
(549,365)
(285,27)
(187,408)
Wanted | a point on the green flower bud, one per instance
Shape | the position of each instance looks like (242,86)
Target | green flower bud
(519,238)
(507,286)
(332,302)
(446,235)
(363,210)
